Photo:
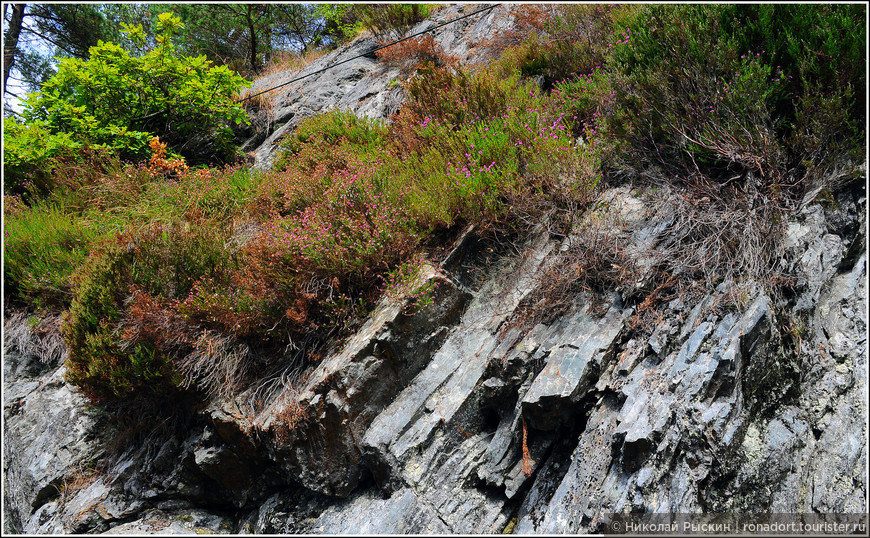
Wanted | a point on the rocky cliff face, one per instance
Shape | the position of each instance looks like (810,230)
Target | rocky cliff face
(463,417)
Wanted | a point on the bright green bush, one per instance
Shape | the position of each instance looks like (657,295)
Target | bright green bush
(28,151)
(33,155)
(119,100)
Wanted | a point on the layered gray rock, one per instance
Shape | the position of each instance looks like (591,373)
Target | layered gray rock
(180,522)
(50,433)
(457,418)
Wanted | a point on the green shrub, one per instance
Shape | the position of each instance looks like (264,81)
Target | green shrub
(329,129)
(455,97)
(124,329)
(824,48)
(715,91)
(47,240)
(37,161)
(487,147)
(97,362)
(557,42)
(118,100)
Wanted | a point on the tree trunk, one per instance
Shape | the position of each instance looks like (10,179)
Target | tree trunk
(10,45)
(255,64)
(267,34)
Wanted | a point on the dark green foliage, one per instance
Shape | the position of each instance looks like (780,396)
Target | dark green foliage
(390,18)
(824,48)
(73,28)
(122,329)
(560,41)
(97,363)
(62,30)
(714,91)
(246,36)
(345,21)
(236,35)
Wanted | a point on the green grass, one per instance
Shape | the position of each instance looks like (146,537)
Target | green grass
(43,246)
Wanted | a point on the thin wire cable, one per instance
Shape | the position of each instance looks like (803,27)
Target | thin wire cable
(327,68)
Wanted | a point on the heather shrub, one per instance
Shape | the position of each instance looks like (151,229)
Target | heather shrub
(333,226)
(456,97)
(217,194)
(409,55)
(823,46)
(688,100)
(126,324)
(705,93)
(480,171)
(185,299)
(353,200)
(97,361)
(41,248)
(489,147)
(47,237)
(329,129)
(555,42)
